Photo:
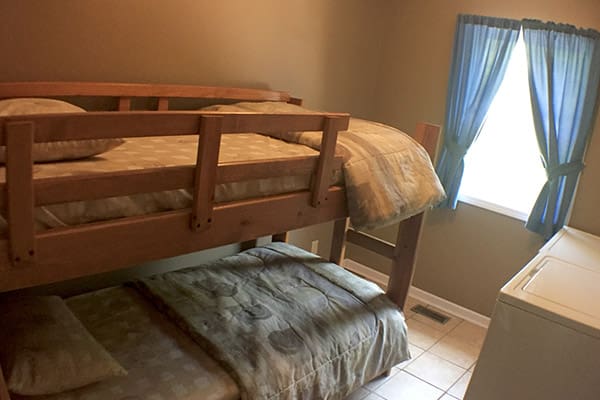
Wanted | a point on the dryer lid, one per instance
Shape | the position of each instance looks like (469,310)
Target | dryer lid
(574,246)
(564,292)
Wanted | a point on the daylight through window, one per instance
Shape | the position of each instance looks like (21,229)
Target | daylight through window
(503,168)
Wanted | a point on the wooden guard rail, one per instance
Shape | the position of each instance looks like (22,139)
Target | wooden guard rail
(126,92)
(20,133)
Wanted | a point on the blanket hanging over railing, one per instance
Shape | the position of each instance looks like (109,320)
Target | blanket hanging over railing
(388,175)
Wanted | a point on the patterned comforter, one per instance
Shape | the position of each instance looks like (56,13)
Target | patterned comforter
(284,323)
(388,175)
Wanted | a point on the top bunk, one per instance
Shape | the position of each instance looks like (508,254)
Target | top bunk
(220,195)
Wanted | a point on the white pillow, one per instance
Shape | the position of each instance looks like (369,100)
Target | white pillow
(54,151)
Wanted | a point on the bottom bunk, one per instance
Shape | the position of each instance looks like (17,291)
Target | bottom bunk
(274,322)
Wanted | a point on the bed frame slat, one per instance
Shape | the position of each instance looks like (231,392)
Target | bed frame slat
(124,103)
(71,252)
(205,178)
(19,193)
(247,170)
(109,89)
(94,125)
(122,183)
(163,104)
(371,243)
(111,184)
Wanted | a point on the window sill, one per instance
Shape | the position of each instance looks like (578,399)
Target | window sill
(498,209)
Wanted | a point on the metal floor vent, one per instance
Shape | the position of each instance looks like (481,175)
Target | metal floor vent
(434,315)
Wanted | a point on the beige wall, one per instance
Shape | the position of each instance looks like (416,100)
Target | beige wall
(466,255)
(326,51)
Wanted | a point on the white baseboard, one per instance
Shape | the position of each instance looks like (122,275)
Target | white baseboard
(419,294)
(366,272)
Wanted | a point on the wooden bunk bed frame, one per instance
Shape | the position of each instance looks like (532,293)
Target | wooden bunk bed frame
(30,258)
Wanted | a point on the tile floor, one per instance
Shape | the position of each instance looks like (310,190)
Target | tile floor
(443,357)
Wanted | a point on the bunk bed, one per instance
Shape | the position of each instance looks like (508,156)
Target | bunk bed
(32,255)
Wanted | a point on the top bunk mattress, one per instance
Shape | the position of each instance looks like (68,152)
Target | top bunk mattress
(166,151)
(387,175)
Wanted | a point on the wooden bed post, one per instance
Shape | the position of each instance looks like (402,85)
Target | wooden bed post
(409,231)
(19,185)
(206,172)
(322,178)
(404,259)
(404,253)
(428,135)
(338,242)
(248,244)
(280,237)
(3,387)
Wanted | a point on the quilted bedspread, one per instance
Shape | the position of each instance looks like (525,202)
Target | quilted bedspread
(284,323)
(388,175)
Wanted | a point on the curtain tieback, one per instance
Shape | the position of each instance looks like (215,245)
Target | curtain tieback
(564,169)
(455,149)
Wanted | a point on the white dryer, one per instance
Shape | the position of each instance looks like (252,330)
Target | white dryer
(543,341)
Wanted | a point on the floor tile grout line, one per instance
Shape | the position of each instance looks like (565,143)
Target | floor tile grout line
(440,339)
(454,363)
(453,383)
(447,391)
(458,366)
(423,380)
(443,358)
(459,378)
(414,376)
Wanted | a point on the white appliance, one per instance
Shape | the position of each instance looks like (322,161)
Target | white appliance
(543,341)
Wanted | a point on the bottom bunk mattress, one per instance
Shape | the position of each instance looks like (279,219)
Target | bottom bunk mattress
(282,322)
(161,361)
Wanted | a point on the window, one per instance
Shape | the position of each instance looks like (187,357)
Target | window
(503,168)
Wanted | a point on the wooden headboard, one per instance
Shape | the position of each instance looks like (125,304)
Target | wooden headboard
(125,92)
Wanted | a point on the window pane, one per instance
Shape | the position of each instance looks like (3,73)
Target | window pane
(503,166)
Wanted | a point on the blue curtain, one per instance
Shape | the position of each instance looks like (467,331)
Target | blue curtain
(482,48)
(564,75)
